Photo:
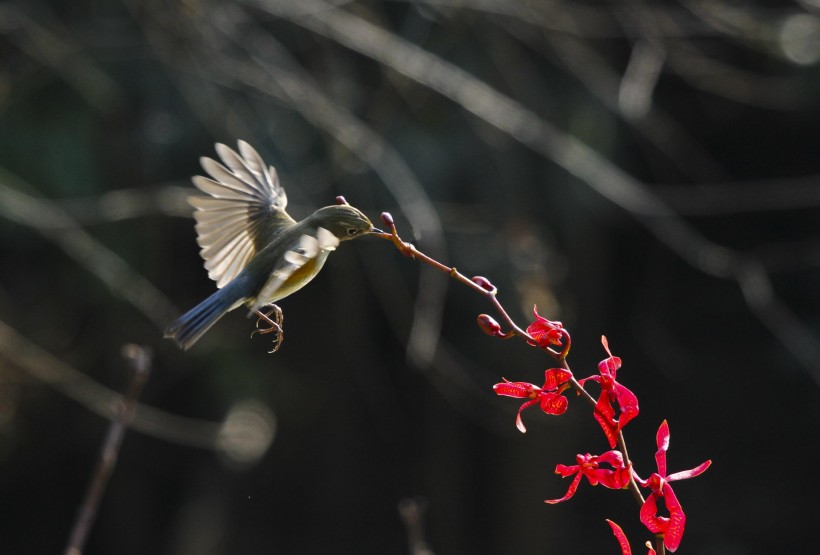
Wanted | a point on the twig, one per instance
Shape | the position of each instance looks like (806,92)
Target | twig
(411,512)
(53,223)
(16,349)
(478,284)
(140,361)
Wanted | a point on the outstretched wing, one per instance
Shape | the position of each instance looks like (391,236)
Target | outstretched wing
(297,267)
(244,210)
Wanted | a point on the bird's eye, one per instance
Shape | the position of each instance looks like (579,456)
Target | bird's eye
(352,231)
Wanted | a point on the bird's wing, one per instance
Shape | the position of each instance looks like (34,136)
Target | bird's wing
(304,255)
(243,211)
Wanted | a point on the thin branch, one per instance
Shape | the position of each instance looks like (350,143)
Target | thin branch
(140,366)
(411,512)
(56,49)
(58,227)
(75,385)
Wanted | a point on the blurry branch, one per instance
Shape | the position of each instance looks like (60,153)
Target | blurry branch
(640,79)
(99,399)
(54,224)
(630,97)
(411,512)
(476,97)
(568,152)
(56,50)
(138,202)
(723,79)
(748,23)
(566,23)
(124,204)
(58,227)
(745,26)
(553,15)
(714,200)
(563,17)
(720,199)
(790,257)
(140,366)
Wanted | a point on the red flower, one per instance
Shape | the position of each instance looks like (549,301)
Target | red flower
(672,526)
(588,465)
(611,393)
(548,396)
(621,537)
(546,332)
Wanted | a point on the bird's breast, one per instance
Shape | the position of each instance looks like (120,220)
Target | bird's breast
(298,279)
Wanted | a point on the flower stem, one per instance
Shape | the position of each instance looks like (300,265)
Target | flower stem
(409,250)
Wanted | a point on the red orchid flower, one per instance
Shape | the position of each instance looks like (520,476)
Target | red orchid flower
(612,394)
(547,332)
(672,526)
(588,465)
(626,549)
(548,396)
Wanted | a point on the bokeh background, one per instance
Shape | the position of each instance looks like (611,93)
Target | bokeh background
(648,171)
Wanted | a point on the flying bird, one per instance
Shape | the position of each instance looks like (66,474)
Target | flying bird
(254,251)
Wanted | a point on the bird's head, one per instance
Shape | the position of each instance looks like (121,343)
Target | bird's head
(344,221)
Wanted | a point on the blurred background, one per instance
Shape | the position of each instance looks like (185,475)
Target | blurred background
(647,171)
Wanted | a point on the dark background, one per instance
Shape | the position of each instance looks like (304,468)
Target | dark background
(641,170)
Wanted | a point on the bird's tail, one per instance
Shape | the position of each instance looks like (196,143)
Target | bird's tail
(189,327)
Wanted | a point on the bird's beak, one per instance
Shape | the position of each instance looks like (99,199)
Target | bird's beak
(376,230)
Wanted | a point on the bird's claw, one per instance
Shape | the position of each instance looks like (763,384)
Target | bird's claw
(275,319)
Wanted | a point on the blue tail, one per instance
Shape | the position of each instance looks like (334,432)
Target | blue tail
(189,327)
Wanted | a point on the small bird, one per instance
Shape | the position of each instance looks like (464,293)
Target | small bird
(254,251)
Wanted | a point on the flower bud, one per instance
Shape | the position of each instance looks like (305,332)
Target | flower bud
(341,200)
(387,219)
(484,283)
(488,325)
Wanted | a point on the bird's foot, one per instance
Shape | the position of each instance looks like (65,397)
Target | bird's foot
(275,319)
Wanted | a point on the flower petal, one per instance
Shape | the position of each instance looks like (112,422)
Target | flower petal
(608,366)
(612,479)
(596,379)
(553,403)
(628,404)
(649,517)
(605,415)
(520,390)
(677,519)
(616,477)
(566,470)
(621,537)
(662,438)
(544,332)
(614,458)
(556,377)
(520,423)
(684,474)
(570,492)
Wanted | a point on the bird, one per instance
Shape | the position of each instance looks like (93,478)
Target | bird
(253,249)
